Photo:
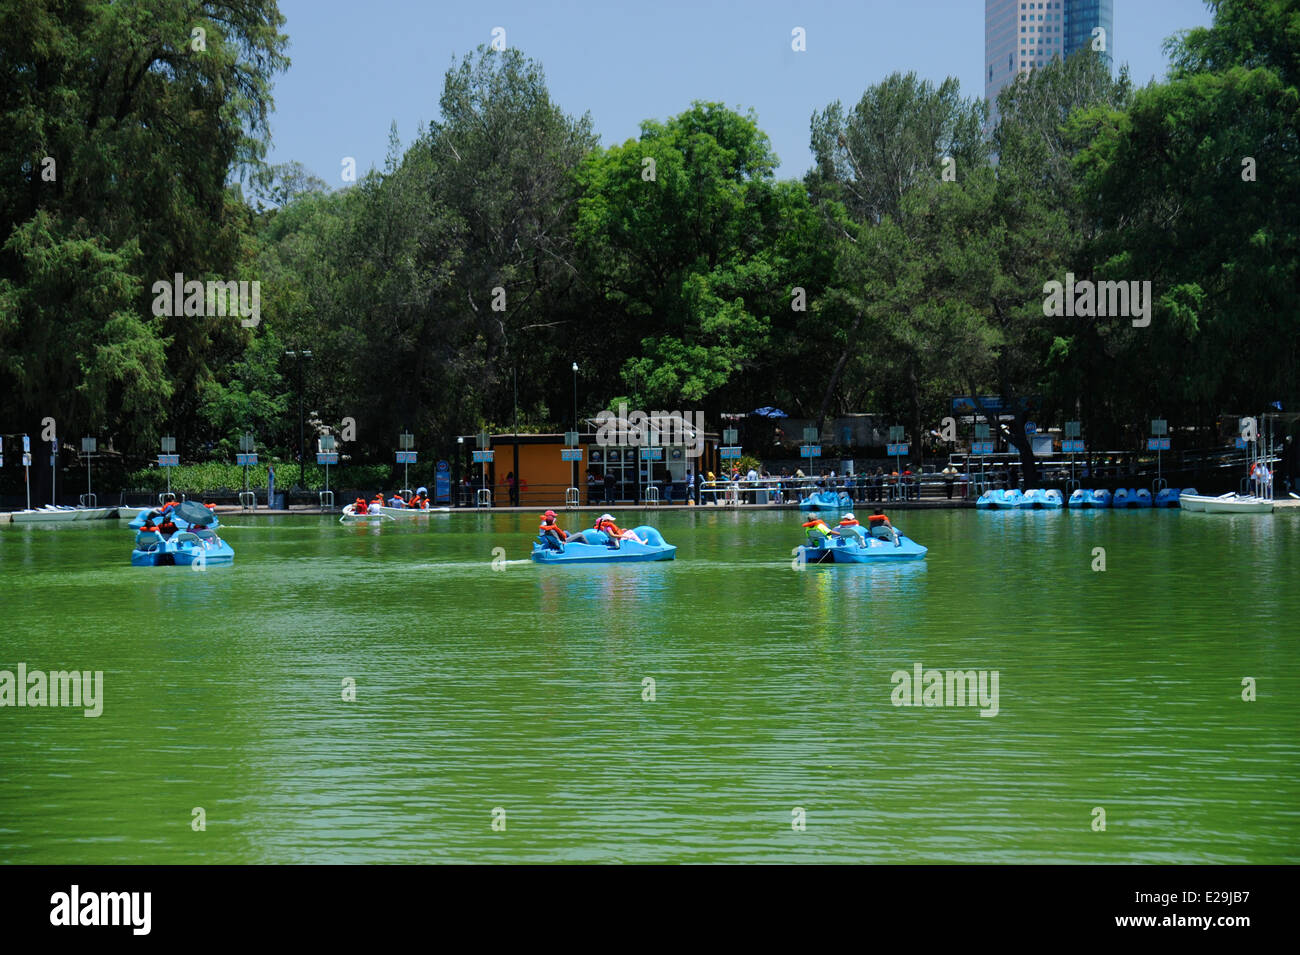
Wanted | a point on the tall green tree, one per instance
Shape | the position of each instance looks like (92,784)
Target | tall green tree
(1196,187)
(121,126)
(695,252)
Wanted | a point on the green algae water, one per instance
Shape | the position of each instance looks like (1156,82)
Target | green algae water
(724,707)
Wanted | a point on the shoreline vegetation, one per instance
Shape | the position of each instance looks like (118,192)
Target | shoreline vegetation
(923,256)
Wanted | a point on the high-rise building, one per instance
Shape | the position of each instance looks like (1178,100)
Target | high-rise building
(1020,35)
(1082,18)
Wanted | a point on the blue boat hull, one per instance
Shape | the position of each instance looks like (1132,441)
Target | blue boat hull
(1039,499)
(826,501)
(872,550)
(627,552)
(999,500)
(1129,498)
(1085,497)
(183,554)
(1170,495)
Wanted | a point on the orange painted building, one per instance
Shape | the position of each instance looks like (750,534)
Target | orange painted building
(544,476)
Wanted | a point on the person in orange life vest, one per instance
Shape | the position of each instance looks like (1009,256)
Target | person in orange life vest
(880,526)
(378,500)
(421,499)
(850,528)
(615,533)
(168,527)
(818,533)
(359,506)
(148,532)
(552,534)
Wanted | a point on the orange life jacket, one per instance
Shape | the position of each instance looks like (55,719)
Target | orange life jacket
(878,520)
(845,522)
(553,527)
(610,528)
(359,507)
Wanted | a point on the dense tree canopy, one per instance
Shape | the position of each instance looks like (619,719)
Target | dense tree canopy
(504,243)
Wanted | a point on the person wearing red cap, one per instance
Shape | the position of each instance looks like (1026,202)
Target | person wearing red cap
(552,533)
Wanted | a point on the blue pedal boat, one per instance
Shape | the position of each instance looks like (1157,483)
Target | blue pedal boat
(1168,497)
(1000,499)
(181,549)
(826,501)
(863,550)
(1130,498)
(1086,497)
(599,551)
(1039,499)
(194,541)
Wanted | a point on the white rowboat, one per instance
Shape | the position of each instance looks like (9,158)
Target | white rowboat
(1226,504)
(51,514)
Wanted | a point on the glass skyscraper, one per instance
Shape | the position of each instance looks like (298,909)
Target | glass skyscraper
(1020,35)
(1084,16)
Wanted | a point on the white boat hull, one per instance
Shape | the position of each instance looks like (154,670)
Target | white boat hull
(413,511)
(1237,504)
(372,515)
(1192,502)
(48,514)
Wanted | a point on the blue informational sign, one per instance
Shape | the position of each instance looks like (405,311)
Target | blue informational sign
(482,457)
(27,444)
(1157,444)
(652,454)
(169,460)
(325,457)
(442,482)
(246,460)
(571,454)
(1072,447)
(406,457)
(810,451)
(1241,444)
(896,450)
(1031,428)
(981,447)
(732,453)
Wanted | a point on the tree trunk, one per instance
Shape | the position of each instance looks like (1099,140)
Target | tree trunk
(914,382)
(836,372)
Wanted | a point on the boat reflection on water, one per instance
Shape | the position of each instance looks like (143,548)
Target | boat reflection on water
(630,592)
(863,595)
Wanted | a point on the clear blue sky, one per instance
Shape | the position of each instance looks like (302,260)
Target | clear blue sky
(359,66)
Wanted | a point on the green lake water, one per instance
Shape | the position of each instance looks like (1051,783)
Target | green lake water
(522,688)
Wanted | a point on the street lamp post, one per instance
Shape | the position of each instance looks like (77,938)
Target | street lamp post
(573,466)
(299,355)
(460,453)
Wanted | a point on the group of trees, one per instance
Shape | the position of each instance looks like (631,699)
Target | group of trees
(462,280)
